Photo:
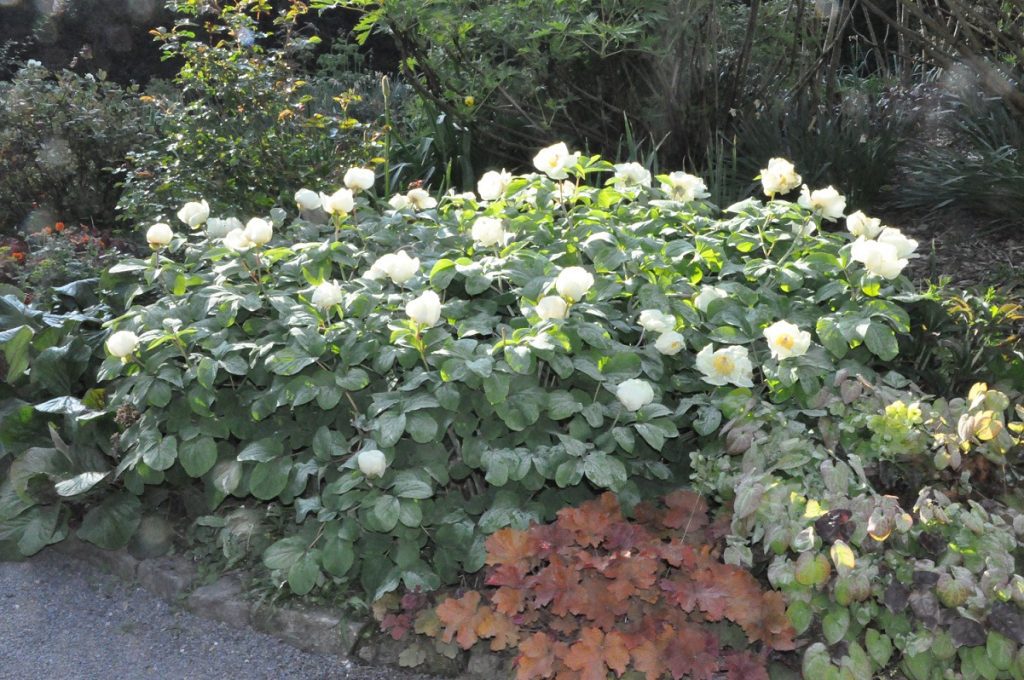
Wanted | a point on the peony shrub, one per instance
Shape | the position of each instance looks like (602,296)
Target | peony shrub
(409,377)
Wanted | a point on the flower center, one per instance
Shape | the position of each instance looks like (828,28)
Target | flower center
(785,341)
(723,364)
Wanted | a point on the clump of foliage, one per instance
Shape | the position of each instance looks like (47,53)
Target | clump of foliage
(62,135)
(243,121)
(594,592)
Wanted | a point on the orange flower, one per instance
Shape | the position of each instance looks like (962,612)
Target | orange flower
(47,230)
(59,226)
(20,257)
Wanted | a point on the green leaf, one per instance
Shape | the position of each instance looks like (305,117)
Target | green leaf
(303,573)
(284,553)
(562,405)
(881,341)
(622,366)
(353,381)
(39,527)
(831,337)
(835,624)
(206,372)
(16,343)
(496,387)
(162,456)
(262,450)
(289,361)
(421,426)
(800,615)
(389,427)
(385,513)
(227,475)
(606,472)
(707,421)
(269,479)
(879,647)
(412,484)
(338,557)
(520,359)
(79,484)
(110,524)
(197,456)
(651,434)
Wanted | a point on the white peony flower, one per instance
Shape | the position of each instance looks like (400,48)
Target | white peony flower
(426,309)
(552,307)
(670,343)
(904,246)
(420,199)
(194,214)
(398,267)
(493,184)
(706,295)
(881,259)
(727,365)
(786,340)
(635,393)
(122,343)
(307,199)
(159,235)
(656,321)
(399,202)
(683,187)
(555,160)
(488,231)
(631,174)
(259,231)
(326,295)
(218,228)
(359,179)
(826,202)
(573,283)
(779,177)
(341,202)
(237,241)
(453,195)
(860,224)
(372,462)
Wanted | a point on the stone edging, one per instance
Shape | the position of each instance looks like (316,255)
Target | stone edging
(312,629)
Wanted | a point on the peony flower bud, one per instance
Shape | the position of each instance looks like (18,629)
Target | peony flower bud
(194,214)
(786,340)
(635,394)
(573,283)
(630,175)
(684,188)
(656,321)
(399,202)
(488,231)
(420,199)
(341,202)
(860,224)
(551,307)
(727,365)
(555,160)
(881,259)
(706,295)
(826,202)
(779,177)
(122,343)
(159,235)
(237,241)
(359,179)
(307,199)
(326,295)
(372,463)
(259,231)
(426,309)
(493,184)
(219,228)
(398,267)
(670,343)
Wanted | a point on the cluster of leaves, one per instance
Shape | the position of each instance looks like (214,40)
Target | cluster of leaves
(49,365)
(241,123)
(61,134)
(876,586)
(593,593)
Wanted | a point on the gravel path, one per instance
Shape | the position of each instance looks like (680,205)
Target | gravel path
(62,619)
